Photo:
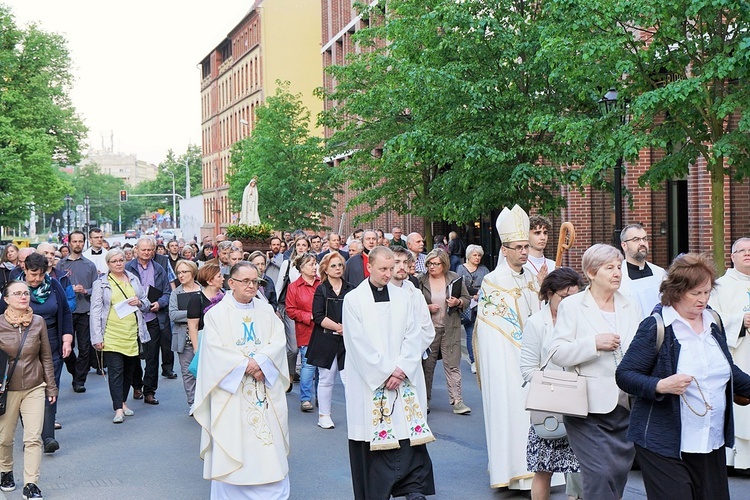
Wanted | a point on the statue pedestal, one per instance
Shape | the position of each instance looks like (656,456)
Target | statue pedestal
(251,245)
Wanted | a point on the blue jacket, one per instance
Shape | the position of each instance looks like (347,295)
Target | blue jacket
(161,282)
(655,422)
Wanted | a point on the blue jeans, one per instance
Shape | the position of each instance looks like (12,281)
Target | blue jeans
(469,331)
(306,377)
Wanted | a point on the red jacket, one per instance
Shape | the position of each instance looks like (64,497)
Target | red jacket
(299,299)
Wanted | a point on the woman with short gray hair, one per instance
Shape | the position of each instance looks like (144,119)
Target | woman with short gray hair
(473,273)
(593,331)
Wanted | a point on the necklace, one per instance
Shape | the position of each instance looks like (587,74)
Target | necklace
(708,406)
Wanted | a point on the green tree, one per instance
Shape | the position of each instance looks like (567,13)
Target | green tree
(683,66)
(439,121)
(173,165)
(39,129)
(296,189)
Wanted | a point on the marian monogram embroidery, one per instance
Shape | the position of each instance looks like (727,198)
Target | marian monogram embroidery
(249,336)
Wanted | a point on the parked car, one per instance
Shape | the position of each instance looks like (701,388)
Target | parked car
(167,234)
(131,233)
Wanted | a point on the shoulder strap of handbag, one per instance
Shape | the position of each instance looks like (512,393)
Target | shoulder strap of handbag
(18,354)
(114,280)
(660,326)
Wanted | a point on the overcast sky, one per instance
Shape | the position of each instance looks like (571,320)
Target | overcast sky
(135,64)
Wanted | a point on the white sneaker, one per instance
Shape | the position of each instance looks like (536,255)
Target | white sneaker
(473,368)
(325,422)
(459,408)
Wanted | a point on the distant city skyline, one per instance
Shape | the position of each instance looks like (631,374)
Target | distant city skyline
(137,84)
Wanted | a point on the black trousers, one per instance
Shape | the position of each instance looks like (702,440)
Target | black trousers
(50,410)
(378,475)
(698,476)
(81,363)
(120,374)
(167,355)
(152,347)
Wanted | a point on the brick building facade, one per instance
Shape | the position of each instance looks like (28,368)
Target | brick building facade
(275,40)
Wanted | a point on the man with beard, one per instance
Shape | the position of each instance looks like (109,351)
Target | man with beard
(82,274)
(640,279)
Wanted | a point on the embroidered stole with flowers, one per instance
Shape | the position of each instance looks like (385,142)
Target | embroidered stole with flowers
(384,403)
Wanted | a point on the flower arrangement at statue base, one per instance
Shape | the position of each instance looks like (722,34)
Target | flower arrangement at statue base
(252,237)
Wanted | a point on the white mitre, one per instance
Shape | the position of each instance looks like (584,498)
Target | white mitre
(512,225)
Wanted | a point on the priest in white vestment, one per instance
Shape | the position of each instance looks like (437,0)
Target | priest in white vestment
(385,388)
(509,295)
(731,299)
(240,399)
(640,279)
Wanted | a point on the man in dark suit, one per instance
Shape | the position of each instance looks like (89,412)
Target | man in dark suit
(356,266)
(334,245)
(154,279)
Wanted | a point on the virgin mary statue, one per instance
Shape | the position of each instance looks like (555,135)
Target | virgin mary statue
(249,212)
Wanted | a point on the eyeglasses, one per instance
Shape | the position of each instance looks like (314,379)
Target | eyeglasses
(336,265)
(518,248)
(742,251)
(434,264)
(20,294)
(247,282)
(637,239)
(182,272)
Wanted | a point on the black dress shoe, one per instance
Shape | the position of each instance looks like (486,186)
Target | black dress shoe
(169,374)
(78,388)
(51,445)
(150,399)
(100,371)
(137,394)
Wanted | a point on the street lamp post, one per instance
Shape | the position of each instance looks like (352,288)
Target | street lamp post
(610,104)
(68,201)
(174,200)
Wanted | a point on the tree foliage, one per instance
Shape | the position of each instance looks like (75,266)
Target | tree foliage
(445,120)
(683,66)
(296,189)
(39,128)
(172,165)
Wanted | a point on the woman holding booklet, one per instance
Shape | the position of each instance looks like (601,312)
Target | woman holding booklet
(117,305)
(446,297)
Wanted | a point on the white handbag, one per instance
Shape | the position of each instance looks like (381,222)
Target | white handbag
(554,391)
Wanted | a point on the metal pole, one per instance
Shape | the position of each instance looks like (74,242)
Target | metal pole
(618,202)
(174,205)
(187,178)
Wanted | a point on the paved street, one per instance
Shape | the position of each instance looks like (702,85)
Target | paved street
(154,454)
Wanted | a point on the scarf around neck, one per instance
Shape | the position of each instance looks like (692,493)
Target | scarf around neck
(16,319)
(41,293)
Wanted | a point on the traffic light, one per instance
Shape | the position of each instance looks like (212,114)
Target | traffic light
(123,195)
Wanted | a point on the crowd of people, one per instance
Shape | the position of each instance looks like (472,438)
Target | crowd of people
(663,369)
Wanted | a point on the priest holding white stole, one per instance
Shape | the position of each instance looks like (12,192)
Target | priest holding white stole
(385,388)
(240,401)
(509,295)
(731,299)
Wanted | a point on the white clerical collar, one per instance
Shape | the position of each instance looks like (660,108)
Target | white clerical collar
(238,305)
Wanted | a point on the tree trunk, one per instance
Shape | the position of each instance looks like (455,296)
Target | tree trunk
(717,213)
(428,238)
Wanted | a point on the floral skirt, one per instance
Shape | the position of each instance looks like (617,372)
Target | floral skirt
(549,455)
